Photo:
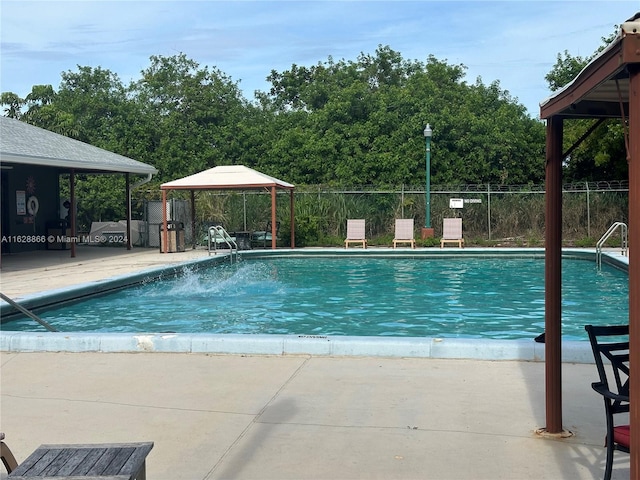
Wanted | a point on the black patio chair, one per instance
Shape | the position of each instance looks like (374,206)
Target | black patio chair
(609,342)
(264,237)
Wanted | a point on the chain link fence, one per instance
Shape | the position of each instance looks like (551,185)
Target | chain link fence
(177,211)
(492,214)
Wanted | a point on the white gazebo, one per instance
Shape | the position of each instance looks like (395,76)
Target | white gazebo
(229,177)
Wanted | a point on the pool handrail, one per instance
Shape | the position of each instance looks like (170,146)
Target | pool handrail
(28,313)
(623,237)
(212,238)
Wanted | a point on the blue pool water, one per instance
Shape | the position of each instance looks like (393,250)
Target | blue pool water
(483,297)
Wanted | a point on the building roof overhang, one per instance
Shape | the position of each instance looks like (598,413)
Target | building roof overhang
(25,144)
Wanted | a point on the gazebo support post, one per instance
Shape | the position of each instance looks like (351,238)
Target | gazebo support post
(273,218)
(72,208)
(127,188)
(634,266)
(193,219)
(292,219)
(165,235)
(607,87)
(553,277)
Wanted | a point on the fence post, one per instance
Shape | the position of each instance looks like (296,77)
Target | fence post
(489,208)
(244,210)
(588,213)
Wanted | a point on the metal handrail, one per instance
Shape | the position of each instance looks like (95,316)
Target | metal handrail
(28,313)
(218,230)
(623,238)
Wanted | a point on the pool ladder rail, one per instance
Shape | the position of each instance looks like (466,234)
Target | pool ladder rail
(27,312)
(623,238)
(217,234)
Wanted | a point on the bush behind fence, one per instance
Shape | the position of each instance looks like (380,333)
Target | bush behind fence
(492,215)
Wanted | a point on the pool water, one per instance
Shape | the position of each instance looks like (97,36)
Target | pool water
(483,297)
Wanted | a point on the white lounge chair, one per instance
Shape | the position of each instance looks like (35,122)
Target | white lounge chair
(356,233)
(404,232)
(452,232)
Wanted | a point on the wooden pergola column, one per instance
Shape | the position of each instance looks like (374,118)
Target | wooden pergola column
(553,277)
(634,265)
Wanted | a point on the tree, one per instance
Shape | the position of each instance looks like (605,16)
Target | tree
(360,122)
(191,115)
(13,105)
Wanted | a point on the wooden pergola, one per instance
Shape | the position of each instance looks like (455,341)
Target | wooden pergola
(607,88)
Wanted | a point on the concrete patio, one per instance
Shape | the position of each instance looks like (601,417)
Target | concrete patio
(275,417)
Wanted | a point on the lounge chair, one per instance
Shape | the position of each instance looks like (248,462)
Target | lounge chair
(609,342)
(452,232)
(404,232)
(8,459)
(356,233)
(264,237)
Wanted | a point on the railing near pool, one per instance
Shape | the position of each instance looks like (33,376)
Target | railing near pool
(28,313)
(623,236)
(218,235)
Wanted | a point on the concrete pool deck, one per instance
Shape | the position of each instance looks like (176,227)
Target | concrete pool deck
(250,416)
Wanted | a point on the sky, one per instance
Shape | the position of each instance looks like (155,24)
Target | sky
(514,42)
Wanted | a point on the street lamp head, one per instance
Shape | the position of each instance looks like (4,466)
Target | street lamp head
(427,131)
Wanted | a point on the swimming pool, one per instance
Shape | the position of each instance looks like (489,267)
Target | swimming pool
(456,297)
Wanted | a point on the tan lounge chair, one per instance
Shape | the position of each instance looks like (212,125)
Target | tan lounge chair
(404,232)
(452,232)
(356,233)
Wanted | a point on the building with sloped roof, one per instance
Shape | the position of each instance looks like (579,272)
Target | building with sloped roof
(32,160)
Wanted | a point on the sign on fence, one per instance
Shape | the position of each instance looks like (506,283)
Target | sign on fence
(456,203)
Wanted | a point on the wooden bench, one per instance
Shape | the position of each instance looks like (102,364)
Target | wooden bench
(112,461)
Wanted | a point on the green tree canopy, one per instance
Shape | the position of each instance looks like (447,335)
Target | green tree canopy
(361,122)
(346,122)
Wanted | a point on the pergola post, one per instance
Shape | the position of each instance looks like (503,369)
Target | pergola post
(193,219)
(292,219)
(165,235)
(274,228)
(553,277)
(607,87)
(634,266)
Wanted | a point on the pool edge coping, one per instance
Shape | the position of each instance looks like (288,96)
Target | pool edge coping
(282,345)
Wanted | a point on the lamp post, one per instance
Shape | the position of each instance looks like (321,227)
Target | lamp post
(427,231)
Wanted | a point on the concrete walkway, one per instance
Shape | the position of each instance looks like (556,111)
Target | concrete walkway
(275,417)
(297,416)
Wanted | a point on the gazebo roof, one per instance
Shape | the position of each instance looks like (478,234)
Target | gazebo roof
(601,89)
(227,177)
